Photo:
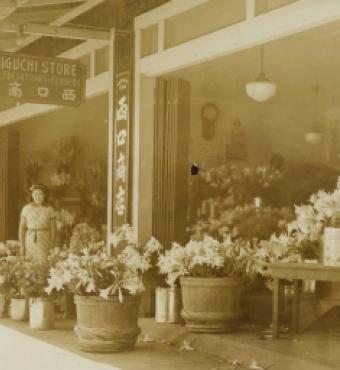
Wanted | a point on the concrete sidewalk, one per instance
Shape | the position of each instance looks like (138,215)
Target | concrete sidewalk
(25,349)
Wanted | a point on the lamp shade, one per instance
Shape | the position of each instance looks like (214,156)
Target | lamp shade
(313,137)
(261,89)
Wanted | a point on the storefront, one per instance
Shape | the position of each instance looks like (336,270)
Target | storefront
(194,61)
(64,147)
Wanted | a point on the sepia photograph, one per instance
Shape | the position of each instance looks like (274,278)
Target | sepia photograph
(169,184)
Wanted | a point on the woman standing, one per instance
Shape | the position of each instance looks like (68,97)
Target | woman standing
(37,229)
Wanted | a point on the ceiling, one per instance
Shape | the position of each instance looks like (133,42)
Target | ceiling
(20,12)
(296,63)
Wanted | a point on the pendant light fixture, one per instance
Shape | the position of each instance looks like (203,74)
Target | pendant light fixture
(314,136)
(20,36)
(261,89)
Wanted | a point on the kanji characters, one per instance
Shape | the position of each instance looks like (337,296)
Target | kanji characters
(69,95)
(15,90)
(121,168)
(43,91)
(123,110)
(121,137)
(120,201)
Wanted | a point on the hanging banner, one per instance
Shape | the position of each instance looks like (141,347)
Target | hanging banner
(121,148)
(26,78)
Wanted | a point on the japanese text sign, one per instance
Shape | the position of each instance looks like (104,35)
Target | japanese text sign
(33,79)
(121,148)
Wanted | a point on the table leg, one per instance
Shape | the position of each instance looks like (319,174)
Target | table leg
(276,301)
(295,307)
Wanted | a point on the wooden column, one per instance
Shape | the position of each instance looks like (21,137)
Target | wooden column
(171,167)
(9,184)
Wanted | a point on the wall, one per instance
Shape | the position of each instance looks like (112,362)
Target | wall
(40,136)
(270,129)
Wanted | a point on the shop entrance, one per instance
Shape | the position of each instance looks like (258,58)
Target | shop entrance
(246,152)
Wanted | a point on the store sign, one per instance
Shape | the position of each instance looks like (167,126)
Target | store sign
(26,78)
(121,148)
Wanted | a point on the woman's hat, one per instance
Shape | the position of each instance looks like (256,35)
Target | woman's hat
(41,187)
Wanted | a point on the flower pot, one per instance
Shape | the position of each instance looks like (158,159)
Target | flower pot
(331,246)
(18,309)
(106,325)
(168,305)
(3,305)
(41,313)
(211,305)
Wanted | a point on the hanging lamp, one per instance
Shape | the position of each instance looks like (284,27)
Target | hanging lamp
(314,136)
(20,36)
(261,89)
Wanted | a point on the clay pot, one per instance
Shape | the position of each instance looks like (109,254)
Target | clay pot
(211,305)
(106,325)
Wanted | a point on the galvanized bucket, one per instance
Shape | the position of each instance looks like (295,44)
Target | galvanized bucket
(168,302)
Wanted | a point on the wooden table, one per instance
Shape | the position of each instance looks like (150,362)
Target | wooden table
(296,272)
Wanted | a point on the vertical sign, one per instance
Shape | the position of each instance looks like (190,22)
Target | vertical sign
(121,149)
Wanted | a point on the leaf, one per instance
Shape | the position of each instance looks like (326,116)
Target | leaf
(186,346)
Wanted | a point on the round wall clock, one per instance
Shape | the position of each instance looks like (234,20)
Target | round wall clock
(209,115)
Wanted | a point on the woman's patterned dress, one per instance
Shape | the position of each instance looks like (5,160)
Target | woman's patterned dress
(38,233)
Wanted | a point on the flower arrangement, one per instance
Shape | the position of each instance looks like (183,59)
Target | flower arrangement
(6,271)
(9,248)
(301,238)
(103,275)
(207,257)
(69,149)
(16,277)
(311,218)
(64,219)
(82,236)
(246,222)
(243,183)
(34,280)
(97,191)
(33,167)
(60,179)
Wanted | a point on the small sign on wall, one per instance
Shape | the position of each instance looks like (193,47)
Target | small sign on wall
(121,149)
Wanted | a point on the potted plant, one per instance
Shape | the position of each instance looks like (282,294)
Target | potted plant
(18,309)
(8,250)
(41,306)
(317,227)
(210,273)
(6,265)
(106,291)
(167,300)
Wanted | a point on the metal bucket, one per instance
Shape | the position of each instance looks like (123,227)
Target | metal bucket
(41,314)
(168,304)
(18,309)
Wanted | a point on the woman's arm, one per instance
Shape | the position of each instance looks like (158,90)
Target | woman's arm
(22,232)
(53,232)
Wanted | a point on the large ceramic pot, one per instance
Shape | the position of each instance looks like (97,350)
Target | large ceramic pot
(211,305)
(18,309)
(41,313)
(106,325)
(4,305)
(168,305)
